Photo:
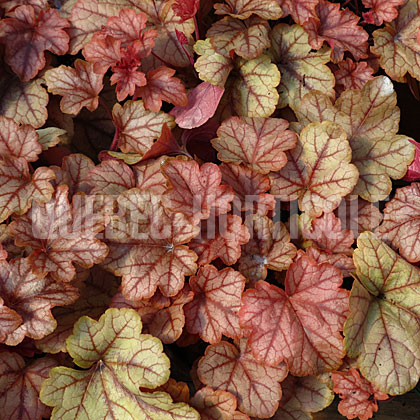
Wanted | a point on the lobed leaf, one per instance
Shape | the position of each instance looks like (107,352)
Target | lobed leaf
(381,11)
(300,10)
(243,9)
(353,75)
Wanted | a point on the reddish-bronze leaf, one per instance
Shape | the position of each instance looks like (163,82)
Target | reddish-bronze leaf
(178,391)
(32,296)
(20,386)
(301,324)
(341,261)
(186,9)
(300,10)
(255,385)
(103,52)
(61,234)
(353,75)
(359,397)
(11,5)
(339,28)
(27,37)
(217,299)
(259,143)
(413,171)
(269,247)
(381,10)
(195,191)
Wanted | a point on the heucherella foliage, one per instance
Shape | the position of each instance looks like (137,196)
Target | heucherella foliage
(208,209)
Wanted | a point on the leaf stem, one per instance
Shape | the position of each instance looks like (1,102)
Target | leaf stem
(197,32)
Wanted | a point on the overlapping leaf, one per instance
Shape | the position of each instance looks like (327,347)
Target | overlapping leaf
(243,9)
(353,75)
(121,360)
(370,118)
(382,329)
(291,51)
(301,324)
(300,10)
(381,10)
(255,385)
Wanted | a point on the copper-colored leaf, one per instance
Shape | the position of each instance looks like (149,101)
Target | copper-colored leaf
(259,143)
(255,386)
(381,10)
(27,37)
(300,10)
(301,324)
(353,75)
(243,9)
(20,386)
(186,9)
(217,299)
(103,52)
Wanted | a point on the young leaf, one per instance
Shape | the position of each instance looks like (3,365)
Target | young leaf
(32,297)
(308,338)
(353,75)
(186,9)
(243,9)
(18,189)
(195,191)
(259,143)
(103,52)
(396,43)
(217,300)
(369,116)
(382,329)
(79,86)
(339,28)
(291,51)
(50,136)
(359,397)
(121,360)
(27,37)
(300,10)
(381,10)
(318,172)
(269,247)
(201,106)
(413,171)
(61,234)
(255,386)
(20,386)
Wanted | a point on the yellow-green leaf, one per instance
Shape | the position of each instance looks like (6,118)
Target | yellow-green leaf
(383,328)
(120,360)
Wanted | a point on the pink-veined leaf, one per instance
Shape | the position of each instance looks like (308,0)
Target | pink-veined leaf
(202,104)
(79,86)
(18,189)
(300,10)
(20,386)
(381,10)
(61,234)
(103,52)
(32,296)
(162,86)
(196,191)
(341,261)
(220,237)
(259,143)
(27,37)
(413,171)
(243,9)
(269,247)
(186,9)
(339,28)
(255,385)
(301,324)
(353,75)
(11,5)
(149,176)
(358,396)
(217,300)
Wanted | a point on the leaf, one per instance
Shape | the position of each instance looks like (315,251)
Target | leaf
(220,238)
(381,11)
(243,9)
(197,141)
(25,103)
(147,246)
(121,360)
(195,191)
(382,329)
(256,386)
(162,317)
(341,261)
(299,325)
(50,136)
(103,52)
(291,51)
(396,44)
(95,295)
(318,172)
(32,297)
(27,37)
(247,39)
(249,187)
(178,391)
(217,300)
(18,189)
(20,386)
(353,75)
(269,247)
(370,118)
(10,5)
(61,234)
(359,397)
(413,171)
(17,140)
(339,28)
(162,86)
(138,127)
(79,86)
(186,9)
(256,142)
(202,103)
(150,177)
(300,10)
(401,226)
